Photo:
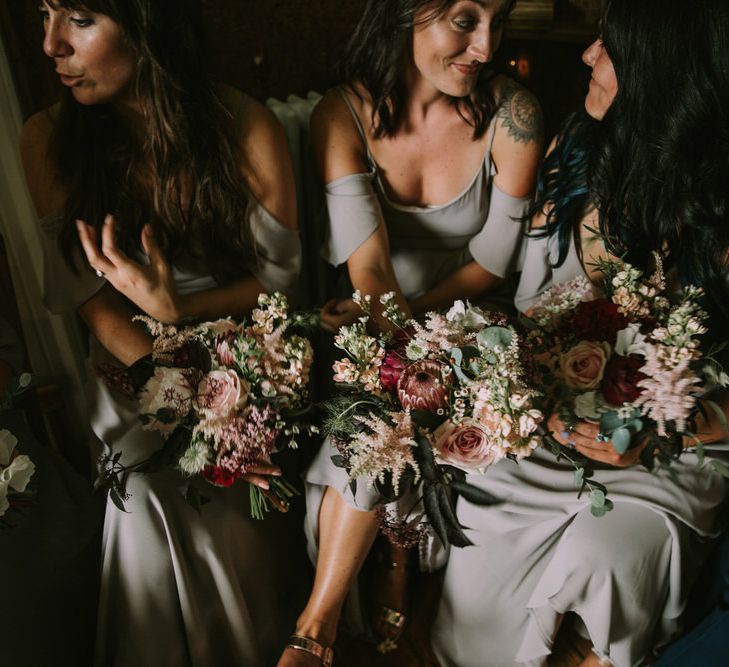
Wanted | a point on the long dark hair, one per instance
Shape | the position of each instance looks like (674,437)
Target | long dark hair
(656,167)
(377,54)
(184,178)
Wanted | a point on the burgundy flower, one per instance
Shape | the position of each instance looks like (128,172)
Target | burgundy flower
(597,320)
(390,370)
(620,380)
(218,476)
(424,386)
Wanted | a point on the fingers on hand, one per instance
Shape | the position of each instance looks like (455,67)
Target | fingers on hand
(95,258)
(151,249)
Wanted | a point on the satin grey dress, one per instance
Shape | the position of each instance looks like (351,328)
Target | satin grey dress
(541,553)
(181,587)
(427,244)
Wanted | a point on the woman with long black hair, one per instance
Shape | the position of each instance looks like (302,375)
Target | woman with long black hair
(161,193)
(642,169)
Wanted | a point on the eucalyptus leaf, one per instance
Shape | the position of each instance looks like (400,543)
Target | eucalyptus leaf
(579,476)
(720,467)
(24,380)
(609,421)
(621,440)
(598,511)
(456,356)
(495,338)
(597,498)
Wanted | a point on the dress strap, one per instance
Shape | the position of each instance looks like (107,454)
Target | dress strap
(358,123)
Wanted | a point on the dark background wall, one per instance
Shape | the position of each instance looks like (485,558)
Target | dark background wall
(277,47)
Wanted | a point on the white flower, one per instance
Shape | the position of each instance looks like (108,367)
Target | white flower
(195,458)
(586,405)
(7,445)
(466,315)
(630,341)
(528,422)
(18,473)
(415,350)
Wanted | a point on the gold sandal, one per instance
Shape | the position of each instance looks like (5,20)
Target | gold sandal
(395,622)
(309,645)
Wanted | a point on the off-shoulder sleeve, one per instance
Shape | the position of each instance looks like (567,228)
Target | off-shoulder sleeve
(278,253)
(63,289)
(536,273)
(497,247)
(11,349)
(354,215)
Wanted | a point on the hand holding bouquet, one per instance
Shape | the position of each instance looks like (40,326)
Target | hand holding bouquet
(225,396)
(625,364)
(424,404)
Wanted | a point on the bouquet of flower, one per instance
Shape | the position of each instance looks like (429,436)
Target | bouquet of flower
(15,469)
(424,404)
(627,357)
(225,396)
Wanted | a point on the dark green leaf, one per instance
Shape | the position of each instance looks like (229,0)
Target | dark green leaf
(474,494)
(116,499)
(426,460)
(141,371)
(456,536)
(338,461)
(425,419)
(432,509)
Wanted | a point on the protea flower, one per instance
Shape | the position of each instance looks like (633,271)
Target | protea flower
(424,386)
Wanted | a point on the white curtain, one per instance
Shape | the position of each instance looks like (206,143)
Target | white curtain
(55,344)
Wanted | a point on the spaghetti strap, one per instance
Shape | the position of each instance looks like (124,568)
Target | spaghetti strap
(358,123)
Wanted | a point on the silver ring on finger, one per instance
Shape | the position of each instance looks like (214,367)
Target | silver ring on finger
(99,273)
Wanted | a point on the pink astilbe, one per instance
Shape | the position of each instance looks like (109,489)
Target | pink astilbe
(383,448)
(242,441)
(437,334)
(669,391)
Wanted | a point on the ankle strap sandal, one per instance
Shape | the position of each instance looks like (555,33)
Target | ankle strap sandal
(324,653)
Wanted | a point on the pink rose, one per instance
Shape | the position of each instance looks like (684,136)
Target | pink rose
(224,352)
(465,445)
(583,365)
(424,385)
(219,392)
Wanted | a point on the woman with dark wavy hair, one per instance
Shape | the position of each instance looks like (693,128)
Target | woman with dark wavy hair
(642,168)
(161,193)
(429,160)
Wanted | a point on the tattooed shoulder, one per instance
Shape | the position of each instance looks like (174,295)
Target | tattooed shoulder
(520,114)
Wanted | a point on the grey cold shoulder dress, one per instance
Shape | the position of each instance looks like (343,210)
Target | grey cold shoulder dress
(427,244)
(541,553)
(181,587)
